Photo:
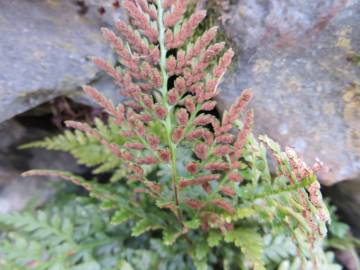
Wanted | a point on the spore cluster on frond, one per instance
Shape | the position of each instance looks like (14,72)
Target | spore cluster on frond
(190,174)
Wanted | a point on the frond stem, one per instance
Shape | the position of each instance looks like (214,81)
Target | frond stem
(164,91)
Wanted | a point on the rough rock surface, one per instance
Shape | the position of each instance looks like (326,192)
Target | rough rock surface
(300,60)
(45,48)
(16,191)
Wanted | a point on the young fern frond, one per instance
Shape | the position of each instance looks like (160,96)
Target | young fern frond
(171,88)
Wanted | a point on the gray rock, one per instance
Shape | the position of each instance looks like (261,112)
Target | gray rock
(53,160)
(14,159)
(297,57)
(16,191)
(45,48)
(107,87)
(10,133)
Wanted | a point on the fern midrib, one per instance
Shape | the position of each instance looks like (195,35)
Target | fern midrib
(167,124)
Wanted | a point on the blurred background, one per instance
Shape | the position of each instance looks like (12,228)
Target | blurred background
(300,58)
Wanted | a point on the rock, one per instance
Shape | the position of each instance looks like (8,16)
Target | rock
(16,191)
(300,60)
(107,87)
(45,48)
(14,134)
(53,160)
(348,258)
(10,132)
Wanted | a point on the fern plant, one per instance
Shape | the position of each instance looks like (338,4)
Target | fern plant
(74,233)
(54,239)
(177,170)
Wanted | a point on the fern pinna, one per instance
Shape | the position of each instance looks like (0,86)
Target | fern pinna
(198,179)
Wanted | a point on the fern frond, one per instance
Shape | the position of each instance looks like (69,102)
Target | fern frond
(86,149)
(278,248)
(250,243)
(57,238)
(95,189)
(19,253)
(196,178)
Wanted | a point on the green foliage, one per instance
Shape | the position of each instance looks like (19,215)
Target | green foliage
(250,243)
(261,210)
(340,237)
(328,264)
(58,238)
(86,149)
(78,235)
(278,248)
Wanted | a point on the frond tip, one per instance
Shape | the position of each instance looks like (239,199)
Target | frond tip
(91,186)
(77,180)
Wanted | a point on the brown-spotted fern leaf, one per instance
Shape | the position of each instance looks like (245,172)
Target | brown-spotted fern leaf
(198,179)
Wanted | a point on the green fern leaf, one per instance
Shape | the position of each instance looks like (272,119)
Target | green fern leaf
(143,226)
(85,149)
(214,238)
(193,224)
(279,248)
(123,265)
(250,243)
(121,216)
